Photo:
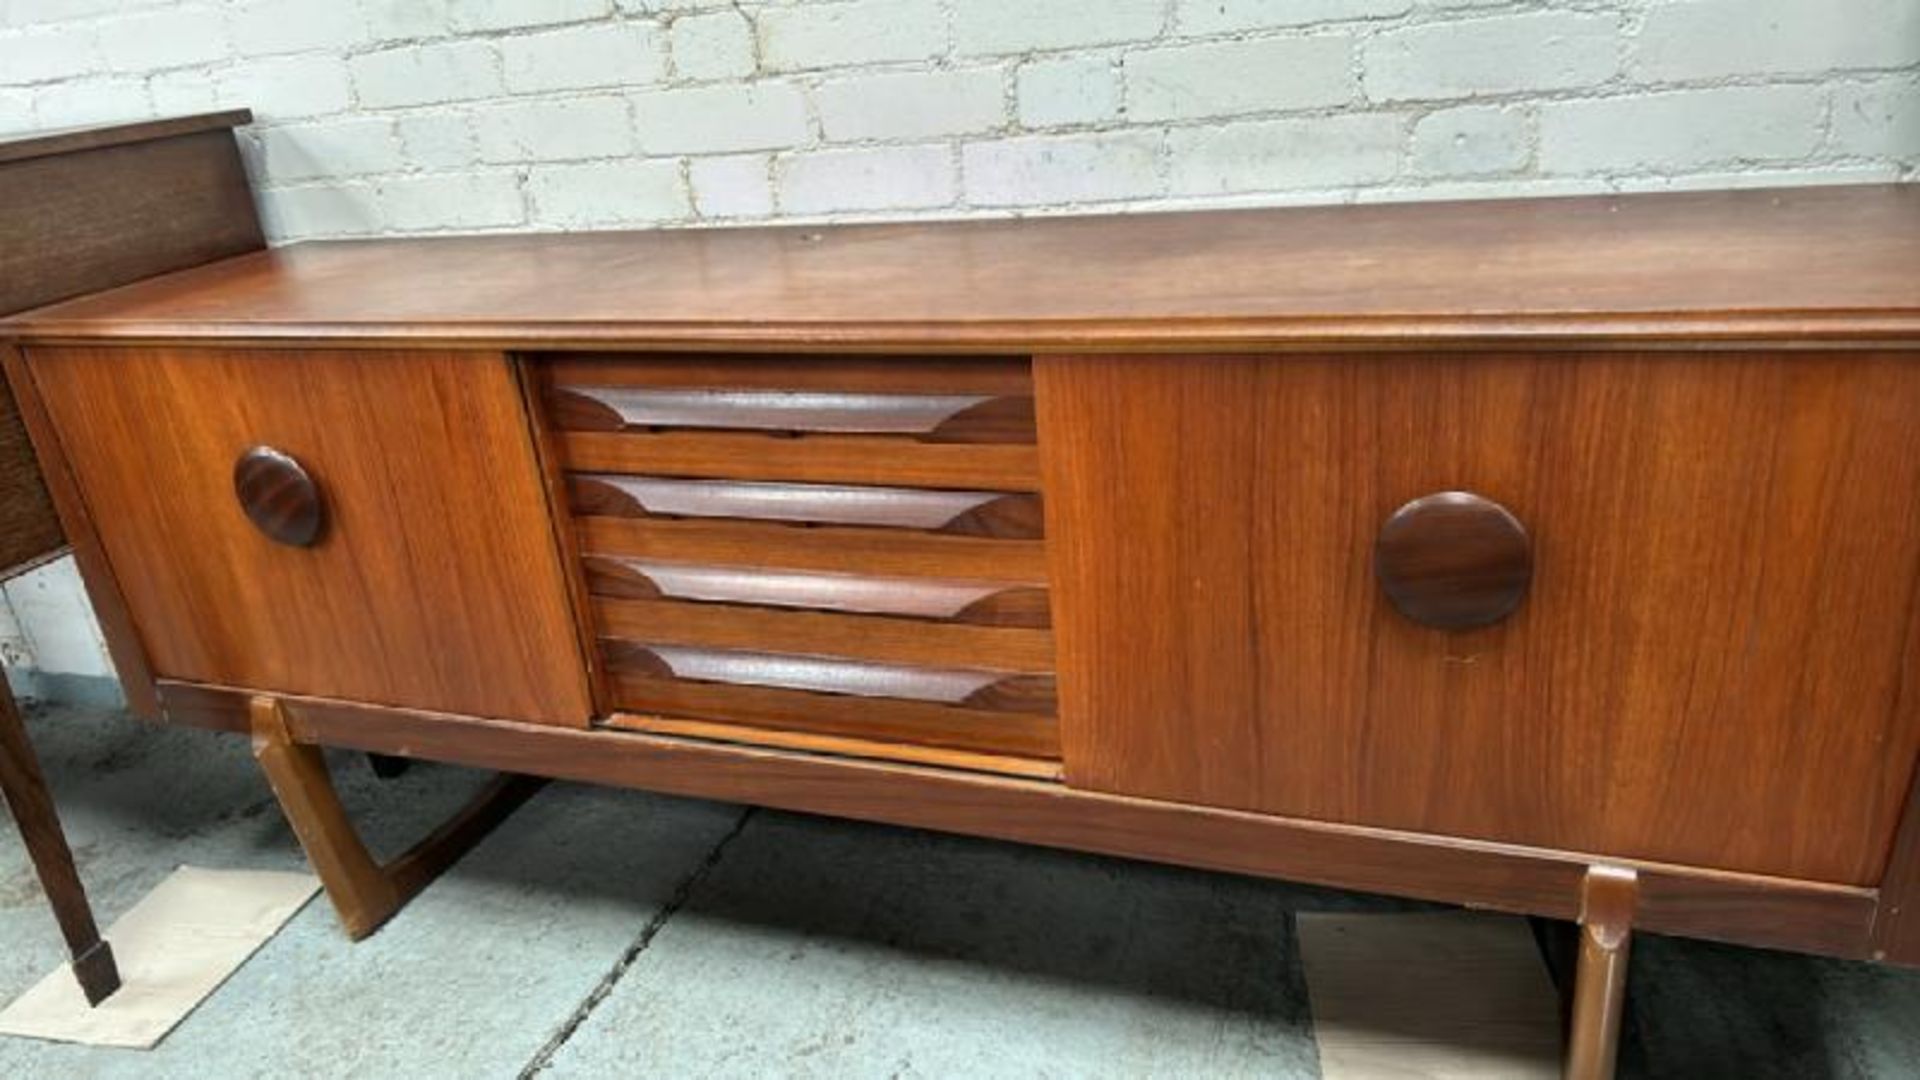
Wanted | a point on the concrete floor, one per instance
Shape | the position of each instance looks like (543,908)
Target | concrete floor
(613,933)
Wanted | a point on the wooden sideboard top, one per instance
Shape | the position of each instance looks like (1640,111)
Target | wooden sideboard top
(100,136)
(1801,264)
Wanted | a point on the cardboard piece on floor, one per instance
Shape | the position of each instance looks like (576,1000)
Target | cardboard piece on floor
(174,948)
(1429,996)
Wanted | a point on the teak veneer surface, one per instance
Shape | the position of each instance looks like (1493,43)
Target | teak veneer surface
(437,582)
(1791,264)
(1710,665)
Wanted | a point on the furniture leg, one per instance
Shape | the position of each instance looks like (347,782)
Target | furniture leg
(32,805)
(364,892)
(1600,981)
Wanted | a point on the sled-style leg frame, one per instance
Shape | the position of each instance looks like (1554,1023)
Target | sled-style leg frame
(364,892)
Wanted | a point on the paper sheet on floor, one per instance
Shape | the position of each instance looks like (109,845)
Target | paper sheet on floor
(1429,996)
(174,948)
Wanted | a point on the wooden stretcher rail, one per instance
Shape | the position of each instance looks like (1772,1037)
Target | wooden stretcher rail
(1740,908)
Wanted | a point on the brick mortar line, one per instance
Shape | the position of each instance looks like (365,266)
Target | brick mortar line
(1010,128)
(1823,157)
(1627,19)
(1168,37)
(1414,110)
(1616,86)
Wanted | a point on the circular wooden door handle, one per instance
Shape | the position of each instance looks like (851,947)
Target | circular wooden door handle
(1454,560)
(279,497)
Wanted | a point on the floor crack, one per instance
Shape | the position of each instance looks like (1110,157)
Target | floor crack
(544,1057)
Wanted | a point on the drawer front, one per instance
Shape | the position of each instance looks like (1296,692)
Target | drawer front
(851,549)
(1674,625)
(393,547)
(966,513)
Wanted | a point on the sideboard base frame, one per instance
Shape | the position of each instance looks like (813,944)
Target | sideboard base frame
(1743,909)
(1607,899)
(365,893)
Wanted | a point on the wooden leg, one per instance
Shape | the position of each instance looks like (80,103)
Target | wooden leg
(32,805)
(1600,981)
(364,893)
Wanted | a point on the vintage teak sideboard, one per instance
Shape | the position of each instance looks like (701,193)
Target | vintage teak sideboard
(1556,557)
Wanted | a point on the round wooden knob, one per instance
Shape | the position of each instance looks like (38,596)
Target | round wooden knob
(1454,560)
(279,497)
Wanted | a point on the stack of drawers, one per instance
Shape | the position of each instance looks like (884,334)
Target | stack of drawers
(849,550)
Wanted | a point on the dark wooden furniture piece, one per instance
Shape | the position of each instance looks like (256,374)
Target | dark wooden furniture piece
(86,210)
(1557,557)
(26,795)
(82,211)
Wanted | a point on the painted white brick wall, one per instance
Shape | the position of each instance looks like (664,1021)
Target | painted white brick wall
(47,625)
(419,116)
(912,105)
(380,117)
(1218,80)
(598,54)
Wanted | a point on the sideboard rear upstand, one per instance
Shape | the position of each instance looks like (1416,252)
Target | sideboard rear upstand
(1556,557)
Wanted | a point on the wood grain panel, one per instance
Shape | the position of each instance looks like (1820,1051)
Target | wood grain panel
(1706,668)
(985,603)
(990,376)
(820,673)
(554,479)
(838,745)
(1800,265)
(887,720)
(102,136)
(963,513)
(437,584)
(29,528)
(843,550)
(938,418)
(814,458)
(109,601)
(79,222)
(615,408)
(864,637)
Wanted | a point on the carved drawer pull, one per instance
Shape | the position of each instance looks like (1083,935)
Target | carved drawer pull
(973,513)
(956,417)
(1454,560)
(279,497)
(986,603)
(990,690)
